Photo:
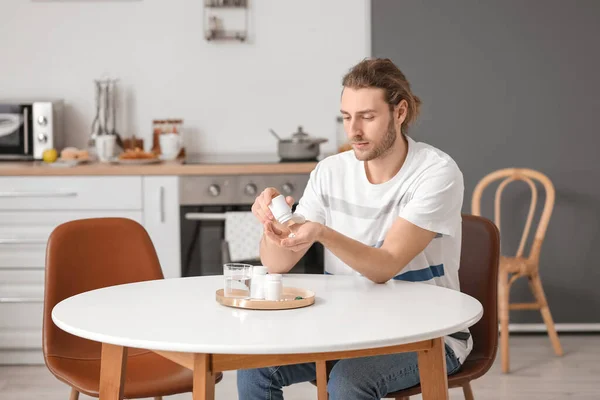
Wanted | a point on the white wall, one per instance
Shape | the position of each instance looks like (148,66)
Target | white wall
(229,94)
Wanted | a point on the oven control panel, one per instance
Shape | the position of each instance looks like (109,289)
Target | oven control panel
(237,189)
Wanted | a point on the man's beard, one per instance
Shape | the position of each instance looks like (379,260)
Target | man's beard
(382,148)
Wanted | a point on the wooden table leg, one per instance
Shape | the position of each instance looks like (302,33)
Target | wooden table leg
(432,369)
(321,380)
(204,379)
(112,371)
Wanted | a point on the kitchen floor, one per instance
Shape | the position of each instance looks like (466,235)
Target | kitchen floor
(536,373)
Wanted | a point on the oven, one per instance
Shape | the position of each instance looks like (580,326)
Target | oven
(204,202)
(28,128)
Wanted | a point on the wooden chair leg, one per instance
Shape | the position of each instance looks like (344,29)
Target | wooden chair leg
(158,398)
(503,315)
(535,283)
(468,392)
(74,394)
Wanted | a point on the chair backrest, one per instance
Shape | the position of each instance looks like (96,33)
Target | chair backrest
(478,274)
(528,176)
(89,254)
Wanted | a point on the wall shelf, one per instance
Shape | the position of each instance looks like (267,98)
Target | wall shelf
(226,3)
(225,35)
(216,11)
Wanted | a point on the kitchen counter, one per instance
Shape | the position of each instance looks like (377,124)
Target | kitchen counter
(164,168)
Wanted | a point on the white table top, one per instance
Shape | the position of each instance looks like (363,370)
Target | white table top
(349,313)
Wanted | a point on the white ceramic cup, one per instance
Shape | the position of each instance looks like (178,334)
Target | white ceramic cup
(170,145)
(105,147)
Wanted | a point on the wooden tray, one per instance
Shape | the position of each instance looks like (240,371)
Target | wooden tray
(287,302)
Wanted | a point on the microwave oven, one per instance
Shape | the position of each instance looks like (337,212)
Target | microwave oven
(28,128)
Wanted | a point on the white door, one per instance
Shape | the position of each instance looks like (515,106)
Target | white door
(161,220)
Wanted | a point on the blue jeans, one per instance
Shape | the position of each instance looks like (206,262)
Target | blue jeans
(367,378)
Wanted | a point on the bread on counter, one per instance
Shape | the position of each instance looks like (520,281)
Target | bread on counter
(73,153)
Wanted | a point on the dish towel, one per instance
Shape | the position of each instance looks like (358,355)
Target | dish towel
(242,233)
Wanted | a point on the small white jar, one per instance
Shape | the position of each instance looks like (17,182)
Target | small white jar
(257,285)
(273,287)
(282,212)
(280,209)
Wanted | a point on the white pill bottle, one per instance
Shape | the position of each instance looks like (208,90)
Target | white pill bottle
(273,287)
(282,212)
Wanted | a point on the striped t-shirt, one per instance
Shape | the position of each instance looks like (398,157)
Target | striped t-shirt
(427,191)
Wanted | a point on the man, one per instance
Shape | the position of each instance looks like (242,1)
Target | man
(390,208)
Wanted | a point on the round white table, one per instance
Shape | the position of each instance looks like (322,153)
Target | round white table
(352,317)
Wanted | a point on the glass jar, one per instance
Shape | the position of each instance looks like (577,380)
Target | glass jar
(167,126)
(157,129)
(177,126)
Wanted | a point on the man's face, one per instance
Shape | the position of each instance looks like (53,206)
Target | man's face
(368,122)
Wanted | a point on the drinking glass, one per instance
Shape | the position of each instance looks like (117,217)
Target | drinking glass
(237,278)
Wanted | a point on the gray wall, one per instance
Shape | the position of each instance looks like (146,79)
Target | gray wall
(514,83)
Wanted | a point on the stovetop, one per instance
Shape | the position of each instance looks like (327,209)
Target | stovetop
(243,158)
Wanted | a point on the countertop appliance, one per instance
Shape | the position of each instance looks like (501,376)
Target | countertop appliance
(29,127)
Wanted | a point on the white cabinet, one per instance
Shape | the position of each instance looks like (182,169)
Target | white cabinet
(24,234)
(71,193)
(161,220)
(30,209)
(21,303)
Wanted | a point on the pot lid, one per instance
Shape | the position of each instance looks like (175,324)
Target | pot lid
(301,136)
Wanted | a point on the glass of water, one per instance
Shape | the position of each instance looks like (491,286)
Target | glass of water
(237,280)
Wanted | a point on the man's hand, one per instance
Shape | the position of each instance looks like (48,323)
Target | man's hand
(304,236)
(272,254)
(260,208)
(275,234)
(276,252)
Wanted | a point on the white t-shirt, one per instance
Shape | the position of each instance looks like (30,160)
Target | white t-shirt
(427,191)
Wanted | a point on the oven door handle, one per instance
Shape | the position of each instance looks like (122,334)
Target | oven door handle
(205,216)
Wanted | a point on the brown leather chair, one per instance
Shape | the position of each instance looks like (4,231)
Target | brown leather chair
(478,276)
(88,254)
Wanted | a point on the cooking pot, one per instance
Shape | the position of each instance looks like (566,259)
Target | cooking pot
(300,147)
